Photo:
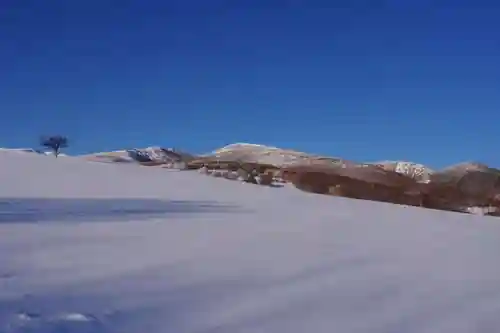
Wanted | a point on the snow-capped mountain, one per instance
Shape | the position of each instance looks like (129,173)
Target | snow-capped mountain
(148,155)
(265,154)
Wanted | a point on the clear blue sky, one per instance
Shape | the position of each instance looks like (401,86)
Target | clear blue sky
(364,80)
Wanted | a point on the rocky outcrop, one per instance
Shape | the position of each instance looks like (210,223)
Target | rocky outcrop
(419,172)
(265,179)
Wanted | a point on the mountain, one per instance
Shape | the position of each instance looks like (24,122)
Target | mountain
(237,151)
(148,155)
(249,152)
(90,247)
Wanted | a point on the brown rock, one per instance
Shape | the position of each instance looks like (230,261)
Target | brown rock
(266,179)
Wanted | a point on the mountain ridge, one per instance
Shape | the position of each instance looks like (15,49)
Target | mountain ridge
(241,151)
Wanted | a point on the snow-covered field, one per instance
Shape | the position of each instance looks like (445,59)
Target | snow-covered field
(90,247)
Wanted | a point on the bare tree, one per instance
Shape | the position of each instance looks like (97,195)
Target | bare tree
(55,143)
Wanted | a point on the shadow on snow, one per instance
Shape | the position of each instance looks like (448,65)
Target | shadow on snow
(33,210)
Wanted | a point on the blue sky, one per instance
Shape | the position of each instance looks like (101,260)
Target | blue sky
(364,80)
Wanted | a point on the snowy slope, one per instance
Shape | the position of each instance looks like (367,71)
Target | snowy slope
(29,150)
(21,150)
(89,247)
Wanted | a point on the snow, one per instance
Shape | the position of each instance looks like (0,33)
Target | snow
(29,150)
(20,150)
(242,145)
(91,247)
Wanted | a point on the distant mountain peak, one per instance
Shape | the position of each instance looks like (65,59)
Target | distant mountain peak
(155,155)
(243,145)
(260,153)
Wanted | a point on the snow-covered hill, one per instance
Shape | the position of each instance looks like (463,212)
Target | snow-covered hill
(90,247)
(264,154)
(238,151)
(142,155)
